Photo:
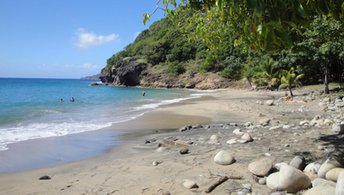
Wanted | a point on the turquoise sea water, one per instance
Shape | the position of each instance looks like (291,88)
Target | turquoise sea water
(31,108)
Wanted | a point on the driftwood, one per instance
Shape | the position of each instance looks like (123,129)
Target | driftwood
(222,179)
(214,185)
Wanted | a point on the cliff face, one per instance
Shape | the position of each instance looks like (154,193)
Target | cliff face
(132,72)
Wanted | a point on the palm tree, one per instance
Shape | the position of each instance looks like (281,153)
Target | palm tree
(290,79)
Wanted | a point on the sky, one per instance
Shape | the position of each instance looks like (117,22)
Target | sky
(67,38)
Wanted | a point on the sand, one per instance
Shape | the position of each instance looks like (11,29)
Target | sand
(128,169)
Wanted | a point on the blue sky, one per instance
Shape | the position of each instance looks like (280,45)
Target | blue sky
(66,38)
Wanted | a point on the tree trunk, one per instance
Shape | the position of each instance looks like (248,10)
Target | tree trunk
(290,92)
(326,89)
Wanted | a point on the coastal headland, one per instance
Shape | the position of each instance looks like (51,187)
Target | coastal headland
(230,141)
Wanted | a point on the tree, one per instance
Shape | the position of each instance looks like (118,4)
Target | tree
(271,25)
(322,44)
(290,79)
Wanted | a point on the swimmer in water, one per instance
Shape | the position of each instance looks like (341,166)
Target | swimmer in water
(61,100)
(143,93)
(72,99)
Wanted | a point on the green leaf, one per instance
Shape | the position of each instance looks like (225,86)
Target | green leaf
(146,17)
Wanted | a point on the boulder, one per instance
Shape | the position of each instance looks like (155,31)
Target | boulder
(326,166)
(312,167)
(288,178)
(323,189)
(340,184)
(320,181)
(261,166)
(223,158)
(298,162)
(333,174)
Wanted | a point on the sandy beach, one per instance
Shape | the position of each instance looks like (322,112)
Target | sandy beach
(149,160)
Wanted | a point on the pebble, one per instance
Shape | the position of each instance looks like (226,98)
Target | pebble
(189,184)
(247,137)
(269,102)
(166,193)
(161,149)
(214,137)
(231,141)
(264,122)
(304,122)
(312,167)
(238,132)
(261,166)
(298,162)
(274,128)
(262,181)
(184,151)
(45,177)
(155,163)
(267,154)
(223,158)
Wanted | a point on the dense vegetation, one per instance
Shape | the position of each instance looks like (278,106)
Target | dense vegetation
(251,40)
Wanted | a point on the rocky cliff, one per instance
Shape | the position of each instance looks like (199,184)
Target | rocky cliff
(130,71)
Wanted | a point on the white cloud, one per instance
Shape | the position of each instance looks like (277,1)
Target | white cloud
(89,39)
(89,66)
(85,66)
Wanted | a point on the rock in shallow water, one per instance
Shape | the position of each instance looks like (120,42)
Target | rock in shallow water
(223,158)
(288,178)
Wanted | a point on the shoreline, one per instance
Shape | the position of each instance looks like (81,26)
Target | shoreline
(128,168)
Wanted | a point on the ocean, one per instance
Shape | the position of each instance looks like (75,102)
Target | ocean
(40,126)
(33,109)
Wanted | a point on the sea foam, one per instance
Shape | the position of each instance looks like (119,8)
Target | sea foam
(44,130)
